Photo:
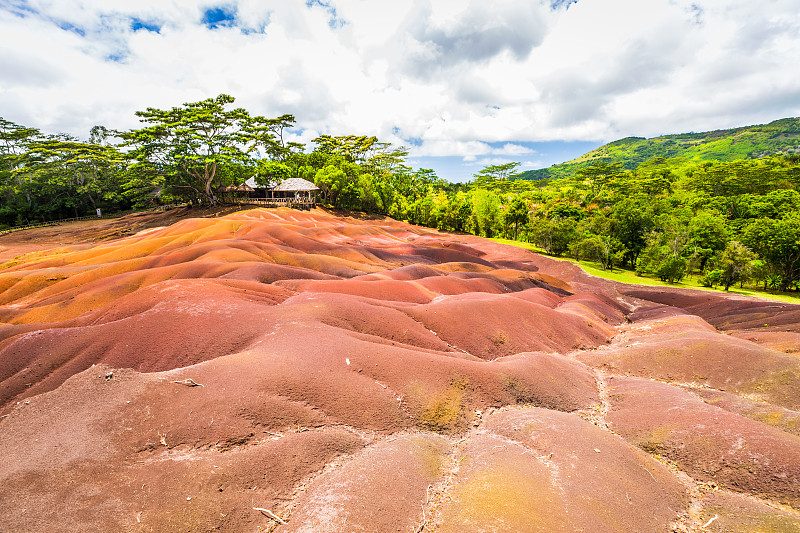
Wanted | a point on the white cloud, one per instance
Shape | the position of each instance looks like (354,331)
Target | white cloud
(467,79)
(486,161)
(450,34)
(513,149)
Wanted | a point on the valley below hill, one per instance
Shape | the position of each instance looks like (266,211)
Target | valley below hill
(282,370)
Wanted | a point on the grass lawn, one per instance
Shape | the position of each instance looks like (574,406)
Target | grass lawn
(629,276)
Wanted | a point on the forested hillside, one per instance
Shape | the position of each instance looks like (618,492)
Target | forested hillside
(724,205)
(778,137)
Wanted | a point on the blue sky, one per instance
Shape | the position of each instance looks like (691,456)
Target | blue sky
(462,84)
(531,155)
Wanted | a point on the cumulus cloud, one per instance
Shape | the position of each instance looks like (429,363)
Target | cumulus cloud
(514,149)
(28,70)
(446,35)
(467,79)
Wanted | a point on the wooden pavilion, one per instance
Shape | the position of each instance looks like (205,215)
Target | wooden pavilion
(232,193)
(292,192)
(295,191)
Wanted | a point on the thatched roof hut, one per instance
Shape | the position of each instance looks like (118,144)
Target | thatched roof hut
(244,187)
(295,185)
(296,191)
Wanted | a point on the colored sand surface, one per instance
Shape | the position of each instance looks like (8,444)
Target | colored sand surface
(233,372)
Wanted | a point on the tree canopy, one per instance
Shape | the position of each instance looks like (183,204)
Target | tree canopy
(727,221)
(188,145)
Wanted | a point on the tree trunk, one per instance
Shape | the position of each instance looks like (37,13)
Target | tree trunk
(209,194)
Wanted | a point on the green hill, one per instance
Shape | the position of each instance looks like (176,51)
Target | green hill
(780,136)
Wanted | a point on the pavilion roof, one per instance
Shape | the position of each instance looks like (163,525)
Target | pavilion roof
(295,184)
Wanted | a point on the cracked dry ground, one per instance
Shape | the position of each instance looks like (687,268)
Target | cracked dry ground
(367,375)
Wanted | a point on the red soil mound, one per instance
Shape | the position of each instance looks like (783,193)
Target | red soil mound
(340,372)
(709,443)
(602,483)
(356,496)
(508,325)
(780,341)
(725,512)
(123,303)
(160,327)
(686,349)
(726,312)
(87,469)
(783,419)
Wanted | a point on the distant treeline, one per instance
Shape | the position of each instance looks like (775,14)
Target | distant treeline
(729,221)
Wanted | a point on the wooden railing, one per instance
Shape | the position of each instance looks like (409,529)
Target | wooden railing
(49,223)
(167,207)
(76,219)
(302,203)
(274,202)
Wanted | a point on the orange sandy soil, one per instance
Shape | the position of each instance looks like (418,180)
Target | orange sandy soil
(180,371)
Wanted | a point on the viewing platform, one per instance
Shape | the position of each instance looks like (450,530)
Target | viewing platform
(301,203)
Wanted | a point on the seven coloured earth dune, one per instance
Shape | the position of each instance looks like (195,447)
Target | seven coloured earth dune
(279,370)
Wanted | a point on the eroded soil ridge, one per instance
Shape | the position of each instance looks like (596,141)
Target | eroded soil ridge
(301,371)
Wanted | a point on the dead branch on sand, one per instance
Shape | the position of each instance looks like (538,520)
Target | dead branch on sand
(189,382)
(271,515)
(427,501)
(649,472)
